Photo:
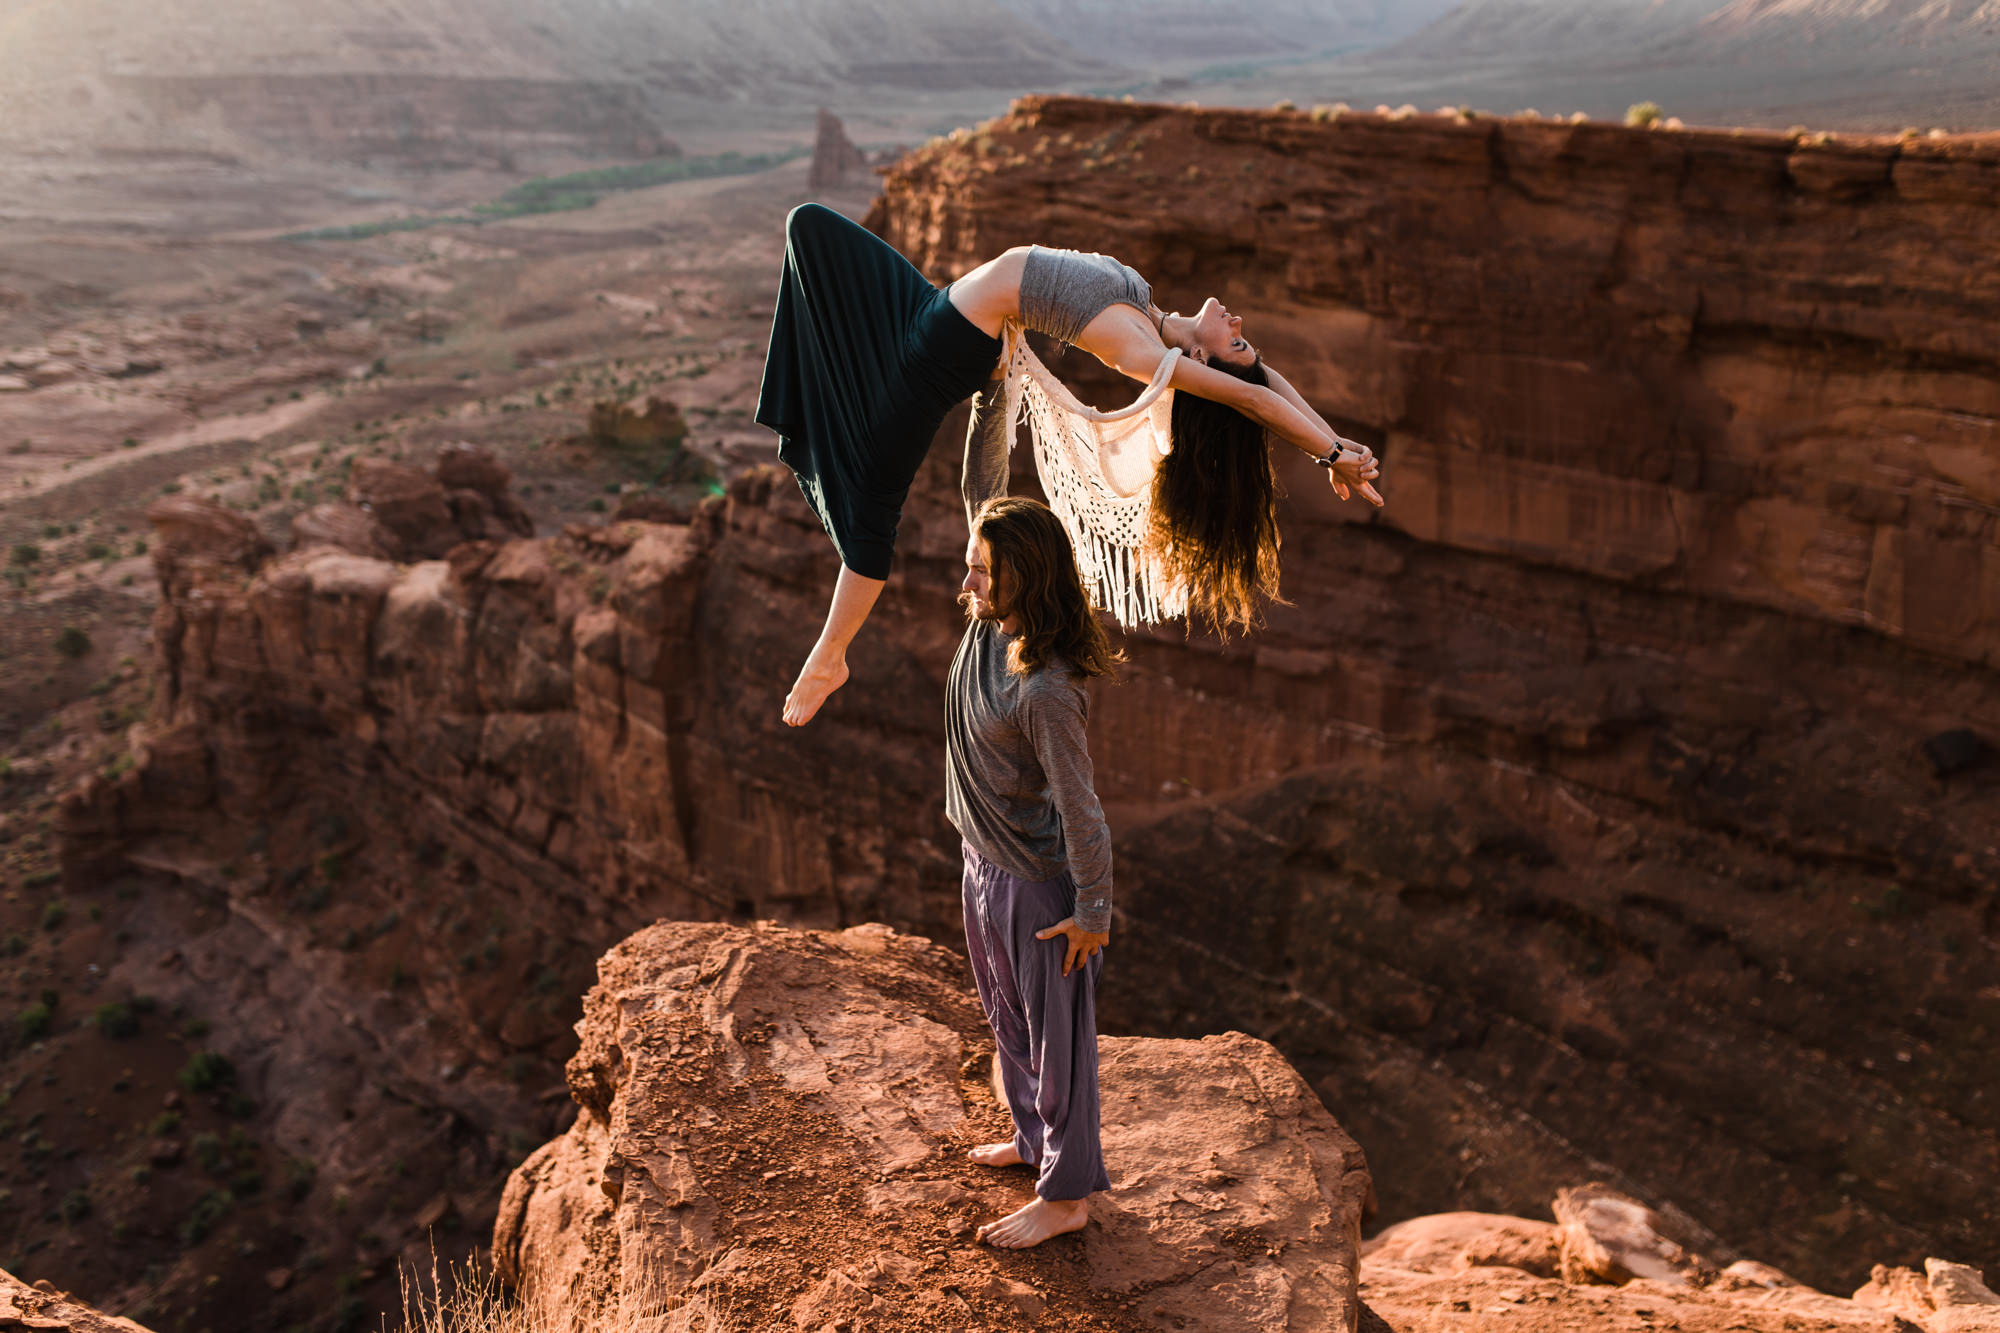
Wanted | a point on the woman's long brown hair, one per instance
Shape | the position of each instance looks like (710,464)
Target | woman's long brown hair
(1214,525)
(1036,579)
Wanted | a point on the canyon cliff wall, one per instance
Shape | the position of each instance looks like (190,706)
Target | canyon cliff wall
(1573,821)
(1578,808)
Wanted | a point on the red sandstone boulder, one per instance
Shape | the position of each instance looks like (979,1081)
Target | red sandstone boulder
(776,1121)
(43,1308)
(1476,1271)
(647,422)
(1945,1298)
(461,465)
(408,502)
(477,486)
(1606,1236)
(346,526)
(1452,1242)
(196,535)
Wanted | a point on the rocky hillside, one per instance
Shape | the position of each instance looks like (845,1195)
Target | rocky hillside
(1825,32)
(448,83)
(1513,29)
(1204,32)
(1604,809)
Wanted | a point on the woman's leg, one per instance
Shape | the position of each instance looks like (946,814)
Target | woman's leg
(826,669)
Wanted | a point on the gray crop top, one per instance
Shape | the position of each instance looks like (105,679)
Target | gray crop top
(1063,290)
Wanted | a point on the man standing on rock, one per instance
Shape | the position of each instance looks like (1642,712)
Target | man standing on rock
(1037,851)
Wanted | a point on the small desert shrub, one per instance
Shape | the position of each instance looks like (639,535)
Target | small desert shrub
(206,1071)
(116,1020)
(207,1149)
(54,913)
(1642,115)
(75,1206)
(72,642)
(33,1022)
(210,1209)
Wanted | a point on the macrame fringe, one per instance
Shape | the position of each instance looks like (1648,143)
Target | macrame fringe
(1107,531)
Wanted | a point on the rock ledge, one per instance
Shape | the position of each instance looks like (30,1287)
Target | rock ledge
(773,1125)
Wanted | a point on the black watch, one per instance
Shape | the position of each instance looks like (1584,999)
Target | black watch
(1329,460)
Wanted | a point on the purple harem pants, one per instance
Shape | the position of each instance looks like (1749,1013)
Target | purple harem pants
(1044,1023)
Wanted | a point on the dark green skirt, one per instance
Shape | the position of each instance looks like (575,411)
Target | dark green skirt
(866,358)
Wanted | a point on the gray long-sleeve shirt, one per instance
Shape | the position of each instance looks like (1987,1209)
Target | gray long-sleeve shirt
(1017,774)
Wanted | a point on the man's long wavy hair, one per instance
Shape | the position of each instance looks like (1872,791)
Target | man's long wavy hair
(1035,578)
(1214,525)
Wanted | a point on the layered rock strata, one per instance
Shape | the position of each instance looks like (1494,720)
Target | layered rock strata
(772,1131)
(1587,780)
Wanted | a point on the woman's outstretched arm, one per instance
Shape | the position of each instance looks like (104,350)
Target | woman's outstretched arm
(1271,410)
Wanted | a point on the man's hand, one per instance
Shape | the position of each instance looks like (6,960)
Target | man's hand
(1082,944)
(1355,470)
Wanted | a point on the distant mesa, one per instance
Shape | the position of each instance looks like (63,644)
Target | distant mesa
(836,159)
(839,163)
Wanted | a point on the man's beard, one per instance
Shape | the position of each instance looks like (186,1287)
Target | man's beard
(993,613)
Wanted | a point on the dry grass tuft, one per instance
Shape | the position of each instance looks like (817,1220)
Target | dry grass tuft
(472,1299)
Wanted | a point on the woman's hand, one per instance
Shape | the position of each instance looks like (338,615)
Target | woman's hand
(1354,470)
(1082,944)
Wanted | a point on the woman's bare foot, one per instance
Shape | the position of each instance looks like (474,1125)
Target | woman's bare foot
(995,1154)
(1035,1223)
(820,676)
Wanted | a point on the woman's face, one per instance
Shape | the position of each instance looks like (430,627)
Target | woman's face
(1218,336)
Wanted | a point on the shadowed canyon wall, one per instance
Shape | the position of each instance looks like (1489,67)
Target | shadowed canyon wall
(1582,808)
(1573,819)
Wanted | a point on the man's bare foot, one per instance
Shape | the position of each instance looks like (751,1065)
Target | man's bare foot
(818,678)
(995,1154)
(1035,1223)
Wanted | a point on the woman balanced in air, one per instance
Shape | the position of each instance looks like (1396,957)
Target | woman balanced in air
(867,357)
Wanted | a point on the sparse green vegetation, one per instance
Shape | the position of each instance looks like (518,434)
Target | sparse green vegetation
(54,913)
(209,1210)
(1643,115)
(33,1023)
(115,1020)
(558,194)
(206,1071)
